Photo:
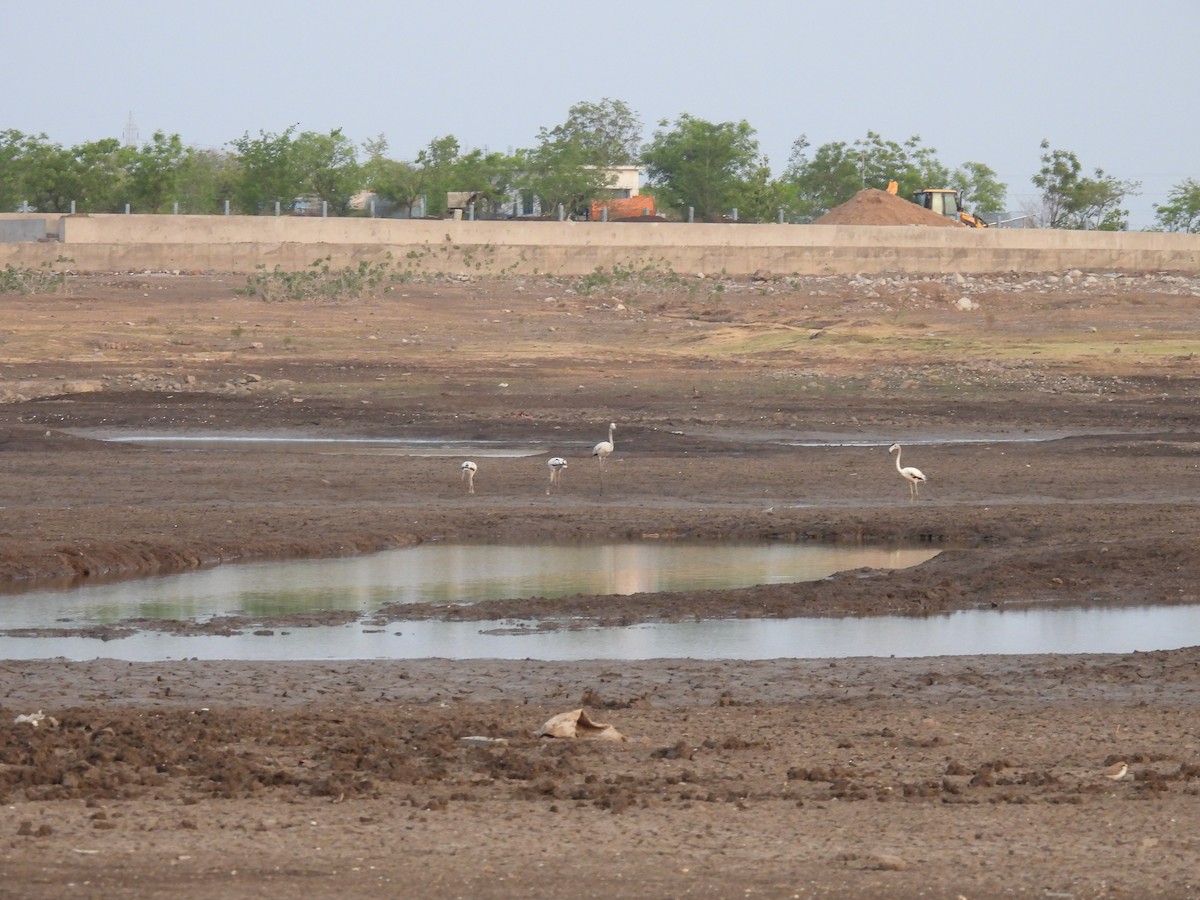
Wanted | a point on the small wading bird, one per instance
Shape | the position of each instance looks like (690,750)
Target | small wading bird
(601,451)
(556,464)
(913,475)
(468,472)
(1116,771)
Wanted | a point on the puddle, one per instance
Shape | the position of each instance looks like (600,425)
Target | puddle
(342,445)
(443,573)
(959,634)
(432,446)
(468,573)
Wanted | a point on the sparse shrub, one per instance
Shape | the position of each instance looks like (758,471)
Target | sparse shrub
(42,280)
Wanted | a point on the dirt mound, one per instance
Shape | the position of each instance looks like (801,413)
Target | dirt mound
(875,207)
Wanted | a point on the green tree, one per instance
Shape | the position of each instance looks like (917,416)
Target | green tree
(1181,212)
(92,175)
(815,185)
(701,164)
(155,172)
(49,178)
(207,178)
(1072,200)
(490,175)
(327,165)
(606,134)
(562,173)
(267,172)
(99,173)
(911,165)
(394,182)
(436,176)
(837,171)
(19,154)
(981,191)
(558,178)
(569,166)
(1060,173)
(762,196)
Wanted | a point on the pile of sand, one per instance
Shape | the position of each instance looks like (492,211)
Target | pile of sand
(875,207)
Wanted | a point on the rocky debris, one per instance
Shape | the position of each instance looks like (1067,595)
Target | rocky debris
(956,284)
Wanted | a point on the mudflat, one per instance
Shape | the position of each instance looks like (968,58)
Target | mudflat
(1053,415)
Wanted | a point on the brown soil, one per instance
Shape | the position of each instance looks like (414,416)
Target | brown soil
(872,206)
(971,776)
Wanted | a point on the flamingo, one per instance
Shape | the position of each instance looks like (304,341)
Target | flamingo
(468,472)
(556,464)
(601,451)
(914,475)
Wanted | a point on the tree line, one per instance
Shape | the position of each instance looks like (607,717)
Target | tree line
(691,164)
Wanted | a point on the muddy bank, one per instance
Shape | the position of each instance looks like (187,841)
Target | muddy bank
(1047,522)
(849,777)
(978,776)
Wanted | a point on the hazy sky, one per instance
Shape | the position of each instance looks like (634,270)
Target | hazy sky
(1117,83)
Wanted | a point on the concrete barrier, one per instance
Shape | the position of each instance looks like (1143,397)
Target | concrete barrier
(13,231)
(241,244)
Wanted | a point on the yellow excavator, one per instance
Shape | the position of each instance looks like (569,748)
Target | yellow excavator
(945,202)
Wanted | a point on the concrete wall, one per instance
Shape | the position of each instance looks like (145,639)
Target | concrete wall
(28,226)
(13,230)
(242,243)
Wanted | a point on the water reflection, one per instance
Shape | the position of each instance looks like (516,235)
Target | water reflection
(959,634)
(469,573)
(444,573)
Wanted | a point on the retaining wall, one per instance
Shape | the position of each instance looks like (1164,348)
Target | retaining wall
(240,244)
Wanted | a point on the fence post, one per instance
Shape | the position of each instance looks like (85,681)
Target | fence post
(126,209)
(72,207)
(175,208)
(276,207)
(604,214)
(372,209)
(691,214)
(471,211)
(561,212)
(324,209)
(734,216)
(226,207)
(781,215)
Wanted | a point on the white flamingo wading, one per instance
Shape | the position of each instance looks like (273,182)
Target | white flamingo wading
(912,474)
(556,464)
(602,450)
(468,472)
